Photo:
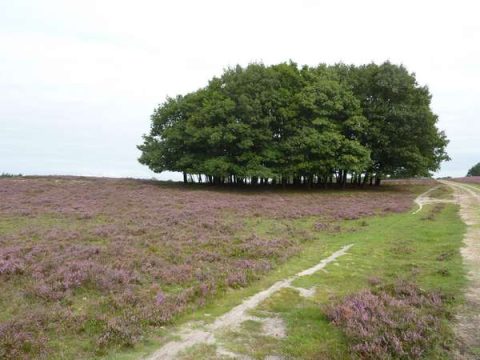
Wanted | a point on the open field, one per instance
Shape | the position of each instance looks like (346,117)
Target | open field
(91,267)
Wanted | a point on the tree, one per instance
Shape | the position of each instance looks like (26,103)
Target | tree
(474,171)
(401,131)
(291,125)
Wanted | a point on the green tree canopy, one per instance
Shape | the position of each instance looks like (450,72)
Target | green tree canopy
(474,170)
(291,124)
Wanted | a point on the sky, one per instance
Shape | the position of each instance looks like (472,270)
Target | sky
(80,79)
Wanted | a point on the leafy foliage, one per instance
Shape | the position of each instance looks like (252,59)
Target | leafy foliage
(282,123)
(474,170)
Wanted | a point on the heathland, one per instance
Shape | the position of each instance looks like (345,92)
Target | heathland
(93,267)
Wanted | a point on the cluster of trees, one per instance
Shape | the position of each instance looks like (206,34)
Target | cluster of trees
(474,170)
(298,125)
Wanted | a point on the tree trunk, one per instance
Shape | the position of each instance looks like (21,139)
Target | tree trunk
(365,179)
(184,177)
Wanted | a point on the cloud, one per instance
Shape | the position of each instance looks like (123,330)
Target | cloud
(86,76)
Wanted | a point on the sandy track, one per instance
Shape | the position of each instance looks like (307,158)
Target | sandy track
(468,326)
(425,198)
(189,336)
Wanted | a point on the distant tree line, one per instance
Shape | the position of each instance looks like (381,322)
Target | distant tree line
(474,170)
(285,124)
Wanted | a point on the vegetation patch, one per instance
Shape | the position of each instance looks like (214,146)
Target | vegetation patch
(474,171)
(398,264)
(400,321)
(291,125)
(475,180)
(103,262)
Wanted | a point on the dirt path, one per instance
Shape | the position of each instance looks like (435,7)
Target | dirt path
(468,327)
(425,198)
(190,335)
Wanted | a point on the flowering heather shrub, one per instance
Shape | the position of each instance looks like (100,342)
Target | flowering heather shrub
(18,340)
(237,279)
(11,260)
(321,226)
(173,274)
(160,298)
(469,179)
(147,203)
(119,331)
(55,282)
(261,248)
(11,266)
(400,322)
(147,249)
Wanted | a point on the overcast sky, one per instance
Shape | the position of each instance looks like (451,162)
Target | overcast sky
(80,79)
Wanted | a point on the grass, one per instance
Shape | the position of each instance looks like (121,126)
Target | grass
(473,185)
(386,249)
(442,192)
(84,261)
(385,246)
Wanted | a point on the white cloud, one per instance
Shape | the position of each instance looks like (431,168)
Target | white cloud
(85,76)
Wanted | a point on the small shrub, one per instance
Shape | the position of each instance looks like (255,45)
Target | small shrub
(374,280)
(18,341)
(400,322)
(11,266)
(429,217)
(445,256)
(321,226)
(402,249)
(437,209)
(237,279)
(444,272)
(119,331)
